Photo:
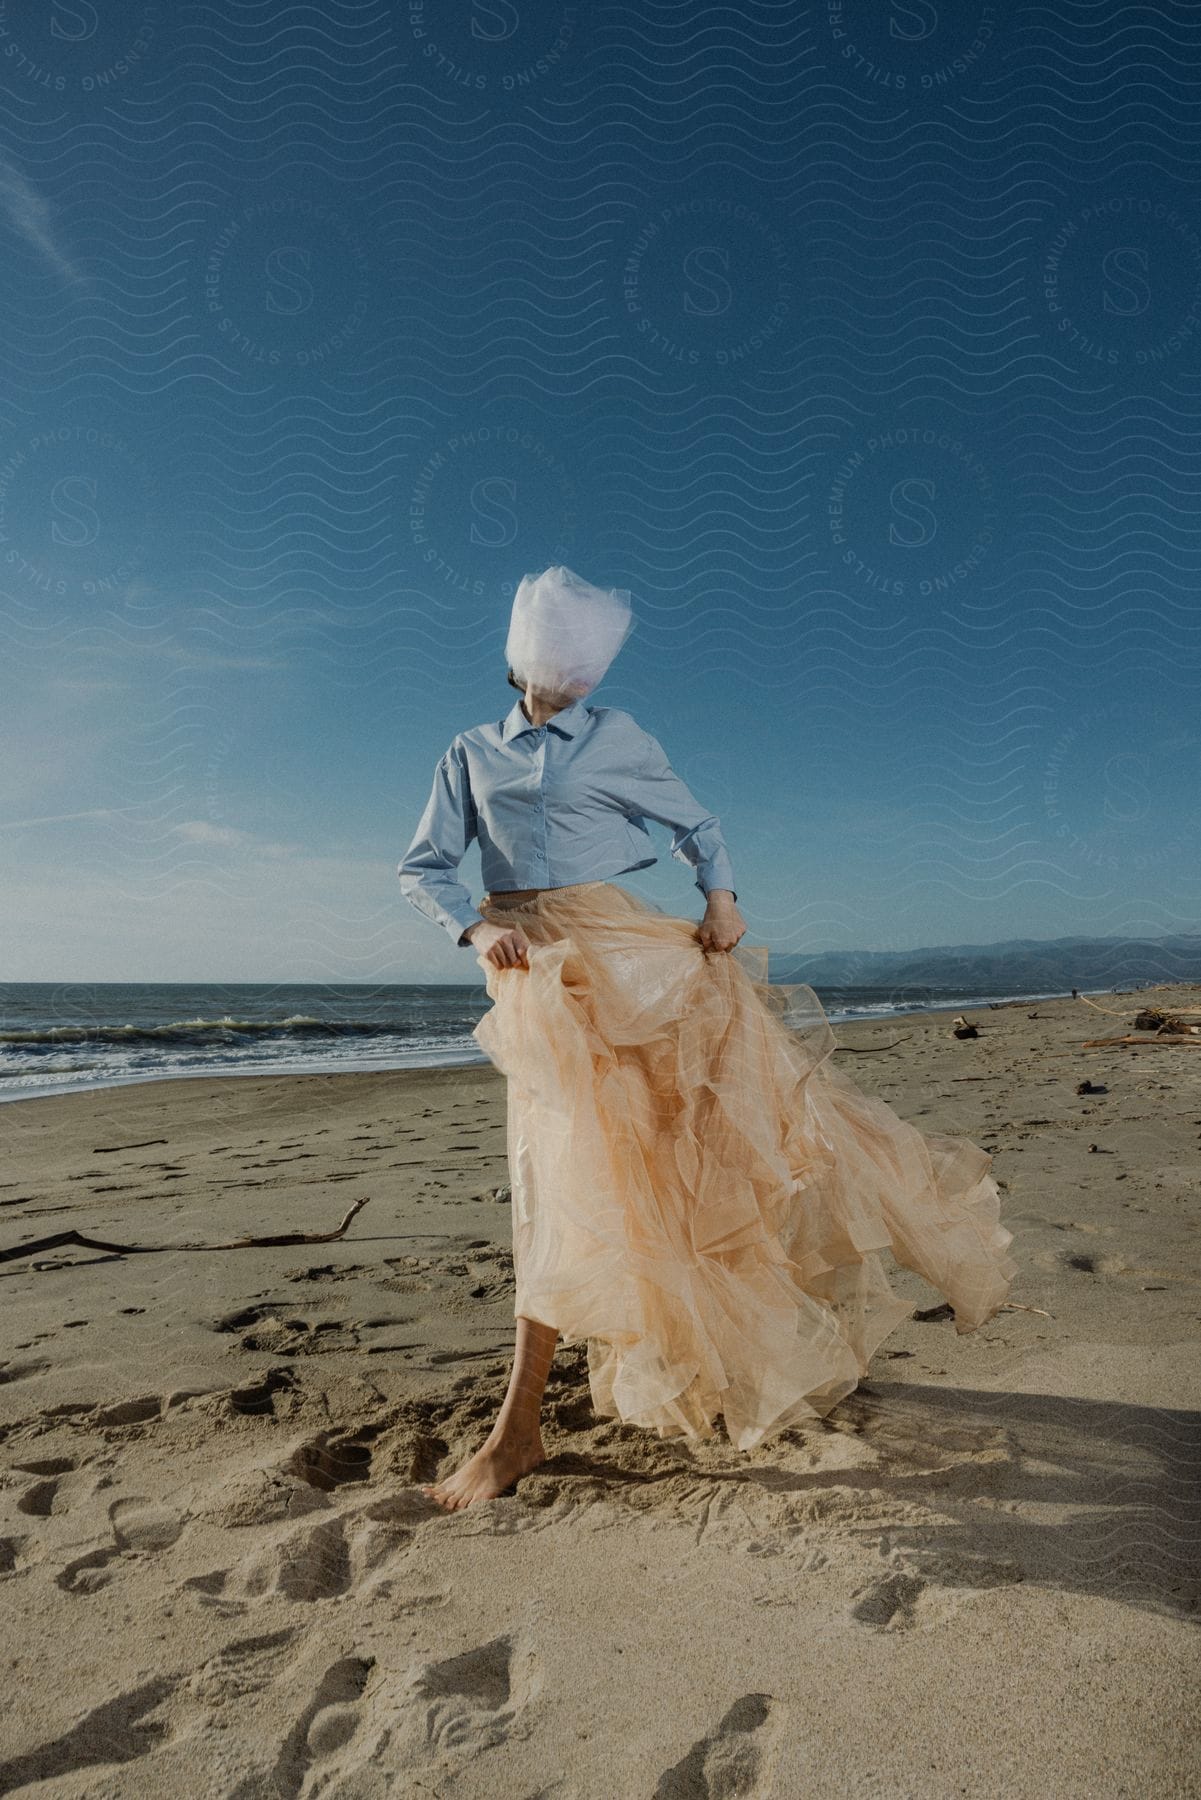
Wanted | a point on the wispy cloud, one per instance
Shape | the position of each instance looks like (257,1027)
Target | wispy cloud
(29,216)
(201,831)
(94,812)
(193,831)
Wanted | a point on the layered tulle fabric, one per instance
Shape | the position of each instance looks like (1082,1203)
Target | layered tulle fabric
(698,1191)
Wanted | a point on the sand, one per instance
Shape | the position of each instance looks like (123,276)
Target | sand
(219,1577)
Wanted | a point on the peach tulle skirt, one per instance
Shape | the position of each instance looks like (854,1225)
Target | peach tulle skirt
(697,1191)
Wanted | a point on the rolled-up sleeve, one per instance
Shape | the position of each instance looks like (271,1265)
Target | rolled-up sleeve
(656,792)
(427,870)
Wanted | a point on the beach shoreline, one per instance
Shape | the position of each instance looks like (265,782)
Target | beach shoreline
(467,1055)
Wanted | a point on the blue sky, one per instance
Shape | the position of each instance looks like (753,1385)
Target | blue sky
(863,346)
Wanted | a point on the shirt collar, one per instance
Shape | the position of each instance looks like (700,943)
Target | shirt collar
(567,722)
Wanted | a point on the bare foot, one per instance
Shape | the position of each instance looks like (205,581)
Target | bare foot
(497,1462)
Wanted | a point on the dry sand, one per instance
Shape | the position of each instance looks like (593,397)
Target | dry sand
(978,1576)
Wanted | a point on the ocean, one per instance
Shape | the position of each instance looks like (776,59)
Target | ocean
(64,1037)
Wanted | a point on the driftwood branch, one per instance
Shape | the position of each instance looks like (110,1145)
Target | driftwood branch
(1113,1012)
(60,1238)
(142,1144)
(871,1049)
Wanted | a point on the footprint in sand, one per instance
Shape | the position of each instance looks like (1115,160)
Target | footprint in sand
(14,1371)
(327,1726)
(130,1412)
(142,1525)
(469,1702)
(358,1550)
(244,1666)
(11,1552)
(313,1564)
(891,1604)
(332,1459)
(440,1717)
(86,1574)
(930,1593)
(139,1527)
(118,1731)
(736,1758)
(258,1396)
(38,1499)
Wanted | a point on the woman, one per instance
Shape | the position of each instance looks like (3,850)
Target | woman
(698,1193)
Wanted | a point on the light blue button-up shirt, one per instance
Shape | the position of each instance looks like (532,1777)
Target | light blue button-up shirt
(551,805)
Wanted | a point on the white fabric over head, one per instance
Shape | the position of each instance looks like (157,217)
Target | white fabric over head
(564,632)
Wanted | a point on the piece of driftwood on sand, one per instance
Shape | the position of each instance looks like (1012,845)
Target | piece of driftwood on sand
(1153,1018)
(60,1238)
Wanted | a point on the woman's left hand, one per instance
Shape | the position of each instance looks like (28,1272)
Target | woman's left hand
(722,925)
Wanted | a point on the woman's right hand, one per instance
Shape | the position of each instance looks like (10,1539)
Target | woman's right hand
(504,946)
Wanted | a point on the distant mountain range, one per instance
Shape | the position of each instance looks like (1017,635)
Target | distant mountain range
(1017,966)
